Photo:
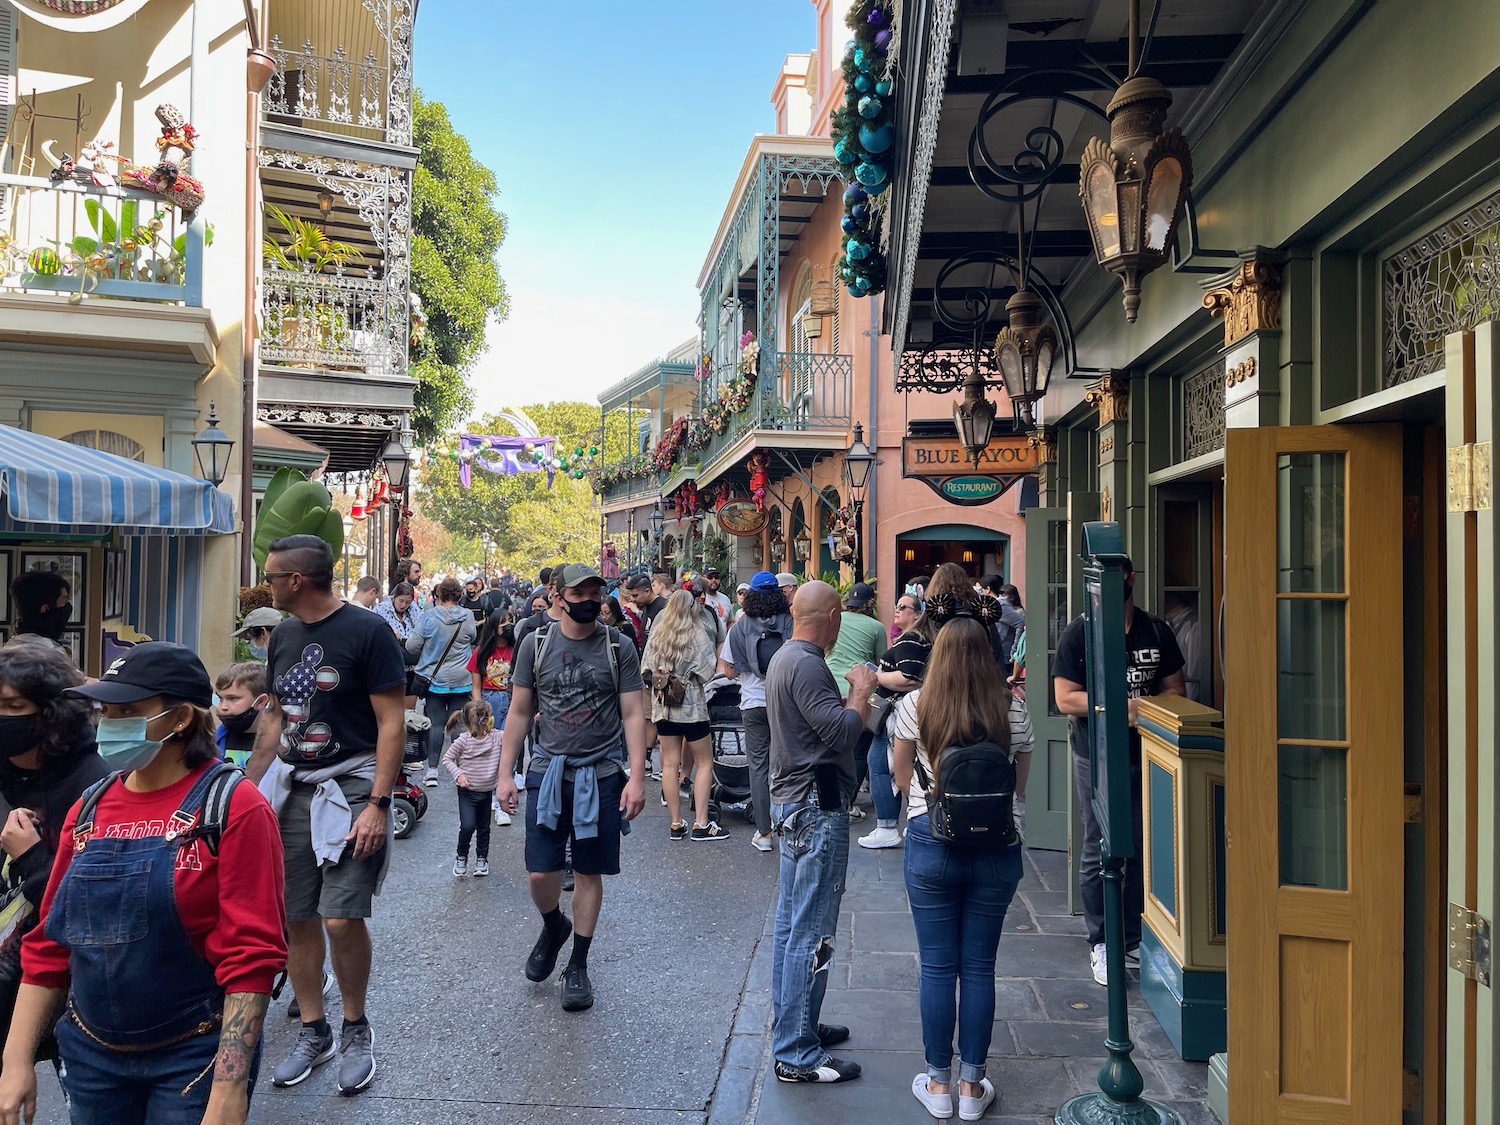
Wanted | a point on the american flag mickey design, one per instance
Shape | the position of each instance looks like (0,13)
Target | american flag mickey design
(294,690)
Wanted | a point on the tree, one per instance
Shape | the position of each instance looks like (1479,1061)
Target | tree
(456,232)
(532,525)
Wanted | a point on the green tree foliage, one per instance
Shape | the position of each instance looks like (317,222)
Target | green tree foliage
(532,525)
(456,232)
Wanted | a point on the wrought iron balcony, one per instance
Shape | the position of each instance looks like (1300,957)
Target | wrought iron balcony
(80,240)
(797,391)
(326,321)
(311,89)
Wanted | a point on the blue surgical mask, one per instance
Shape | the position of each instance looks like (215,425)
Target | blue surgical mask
(123,743)
(260,652)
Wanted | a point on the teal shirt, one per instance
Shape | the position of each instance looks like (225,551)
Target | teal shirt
(861,640)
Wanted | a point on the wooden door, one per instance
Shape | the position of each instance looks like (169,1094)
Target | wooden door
(1047,570)
(1314,757)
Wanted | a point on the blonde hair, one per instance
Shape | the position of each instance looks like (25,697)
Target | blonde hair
(674,633)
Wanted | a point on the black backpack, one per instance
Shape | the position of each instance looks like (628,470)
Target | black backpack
(212,813)
(971,805)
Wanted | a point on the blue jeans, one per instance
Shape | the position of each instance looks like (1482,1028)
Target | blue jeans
(958,897)
(499,702)
(882,784)
(814,861)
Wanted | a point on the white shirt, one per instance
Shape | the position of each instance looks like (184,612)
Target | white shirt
(752,687)
(719,603)
(903,726)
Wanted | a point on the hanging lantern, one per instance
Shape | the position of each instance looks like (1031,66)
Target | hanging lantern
(822,301)
(1135,186)
(1025,351)
(974,416)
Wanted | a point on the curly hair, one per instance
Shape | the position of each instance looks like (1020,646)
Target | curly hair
(40,672)
(448,590)
(766,603)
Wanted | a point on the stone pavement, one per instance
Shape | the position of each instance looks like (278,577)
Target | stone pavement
(1049,1018)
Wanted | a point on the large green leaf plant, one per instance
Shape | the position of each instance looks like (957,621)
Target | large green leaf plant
(294,505)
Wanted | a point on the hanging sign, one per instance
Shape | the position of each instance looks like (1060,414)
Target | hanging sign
(740,517)
(945,466)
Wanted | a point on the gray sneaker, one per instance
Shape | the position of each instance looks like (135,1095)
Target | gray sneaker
(356,1059)
(311,1050)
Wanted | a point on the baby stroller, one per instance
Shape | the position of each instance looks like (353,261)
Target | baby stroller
(408,799)
(731,788)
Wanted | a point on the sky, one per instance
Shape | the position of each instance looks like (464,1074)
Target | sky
(615,132)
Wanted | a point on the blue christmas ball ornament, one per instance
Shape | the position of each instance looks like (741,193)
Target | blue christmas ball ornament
(873,176)
(855,196)
(875,138)
(884,87)
(882,41)
(847,274)
(861,59)
(860,211)
(845,152)
(870,106)
(848,224)
(857,250)
(863,83)
(861,284)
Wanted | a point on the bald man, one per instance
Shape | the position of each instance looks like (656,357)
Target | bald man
(813,735)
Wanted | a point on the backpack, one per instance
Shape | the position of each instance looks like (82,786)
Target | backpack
(543,632)
(208,826)
(765,643)
(971,805)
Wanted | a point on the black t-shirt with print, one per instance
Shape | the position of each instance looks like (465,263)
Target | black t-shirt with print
(907,655)
(1151,655)
(323,675)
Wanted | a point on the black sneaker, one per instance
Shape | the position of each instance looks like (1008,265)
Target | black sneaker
(680,831)
(567,878)
(544,953)
(577,990)
(829,1069)
(711,831)
(832,1034)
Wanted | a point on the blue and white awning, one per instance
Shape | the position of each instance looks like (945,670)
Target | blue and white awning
(52,485)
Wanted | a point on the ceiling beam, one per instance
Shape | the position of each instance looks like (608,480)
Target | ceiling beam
(957,175)
(1047,243)
(1178,62)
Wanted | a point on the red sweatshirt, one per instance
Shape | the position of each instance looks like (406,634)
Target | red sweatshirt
(238,923)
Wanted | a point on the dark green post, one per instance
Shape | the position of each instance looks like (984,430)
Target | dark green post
(1118,1101)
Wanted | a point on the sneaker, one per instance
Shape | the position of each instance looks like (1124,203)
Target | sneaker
(520,782)
(680,831)
(356,1059)
(939,1105)
(481,868)
(544,953)
(567,878)
(1133,957)
(663,800)
(828,1069)
(881,838)
(294,1009)
(431,779)
(577,989)
(761,842)
(832,1034)
(461,866)
(309,1051)
(856,813)
(709,831)
(502,818)
(1099,965)
(972,1109)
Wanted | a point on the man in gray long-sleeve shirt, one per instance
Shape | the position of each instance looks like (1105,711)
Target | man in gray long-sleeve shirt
(813,735)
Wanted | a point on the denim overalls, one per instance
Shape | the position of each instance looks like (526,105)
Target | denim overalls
(141,1030)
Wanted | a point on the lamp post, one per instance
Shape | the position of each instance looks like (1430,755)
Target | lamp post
(657,519)
(857,461)
(348,530)
(397,462)
(211,448)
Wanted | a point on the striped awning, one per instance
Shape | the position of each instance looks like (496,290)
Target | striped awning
(52,485)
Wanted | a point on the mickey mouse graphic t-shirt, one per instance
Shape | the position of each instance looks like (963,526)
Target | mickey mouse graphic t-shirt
(323,675)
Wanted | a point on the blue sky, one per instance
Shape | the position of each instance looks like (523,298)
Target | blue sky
(616,132)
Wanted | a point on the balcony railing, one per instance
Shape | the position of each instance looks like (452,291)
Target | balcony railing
(325,321)
(84,240)
(328,89)
(635,488)
(796,391)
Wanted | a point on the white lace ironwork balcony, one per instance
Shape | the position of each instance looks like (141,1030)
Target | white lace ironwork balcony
(324,321)
(83,240)
(328,89)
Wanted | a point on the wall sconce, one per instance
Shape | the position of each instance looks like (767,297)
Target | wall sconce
(325,203)
(804,549)
(909,555)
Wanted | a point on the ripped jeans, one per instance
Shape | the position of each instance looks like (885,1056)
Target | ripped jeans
(814,862)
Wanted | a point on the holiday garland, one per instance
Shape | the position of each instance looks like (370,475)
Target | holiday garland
(864,138)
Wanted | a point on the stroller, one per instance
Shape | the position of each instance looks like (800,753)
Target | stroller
(408,799)
(731,788)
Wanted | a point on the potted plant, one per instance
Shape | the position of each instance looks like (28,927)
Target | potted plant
(307,250)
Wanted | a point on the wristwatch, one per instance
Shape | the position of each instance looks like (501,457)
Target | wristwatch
(382,803)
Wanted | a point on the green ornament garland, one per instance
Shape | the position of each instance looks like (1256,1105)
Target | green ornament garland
(864,140)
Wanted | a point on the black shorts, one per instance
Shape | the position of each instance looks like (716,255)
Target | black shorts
(546,848)
(693,732)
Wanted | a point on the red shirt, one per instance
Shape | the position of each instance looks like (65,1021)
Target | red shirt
(238,923)
(496,672)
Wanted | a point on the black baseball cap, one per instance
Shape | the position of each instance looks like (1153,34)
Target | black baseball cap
(861,594)
(638,582)
(152,668)
(710,572)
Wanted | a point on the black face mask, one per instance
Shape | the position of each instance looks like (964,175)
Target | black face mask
(18,734)
(508,636)
(237,726)
(50,624)
(585,613)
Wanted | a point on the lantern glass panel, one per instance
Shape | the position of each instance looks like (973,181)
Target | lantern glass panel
(1102,205)
(1046,353)
(1161,201)
(1012,368)
(1130,216)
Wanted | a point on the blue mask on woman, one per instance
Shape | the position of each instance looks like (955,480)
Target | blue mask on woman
(259,652)
(123,743)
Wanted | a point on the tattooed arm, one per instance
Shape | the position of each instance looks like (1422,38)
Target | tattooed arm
(228,1100)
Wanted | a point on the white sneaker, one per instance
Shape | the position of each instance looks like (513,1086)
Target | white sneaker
(502,817)
(972,1109)
(881,838)
(431,779)
(481,868)
(461,866)
(1099,965)
(761,843)
(520,781)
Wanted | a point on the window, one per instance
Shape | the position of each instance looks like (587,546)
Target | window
(107,441)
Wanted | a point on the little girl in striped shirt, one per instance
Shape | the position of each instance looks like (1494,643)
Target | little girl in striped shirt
(473,758)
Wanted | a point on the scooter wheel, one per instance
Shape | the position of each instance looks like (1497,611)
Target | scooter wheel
(404,816)
(421,803)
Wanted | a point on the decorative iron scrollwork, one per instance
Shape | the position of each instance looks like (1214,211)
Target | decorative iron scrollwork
(944,369)
(1203,411)
(1032,168)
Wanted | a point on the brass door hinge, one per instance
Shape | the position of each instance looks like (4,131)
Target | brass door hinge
(1469,477)
(1469,943)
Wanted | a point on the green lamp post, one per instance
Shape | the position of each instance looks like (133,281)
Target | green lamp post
(1118,1100)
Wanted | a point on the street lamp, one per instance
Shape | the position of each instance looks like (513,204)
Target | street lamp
(974,415)
(858,459)
(397,462)
(658,517)
(1025,351)
(211,448)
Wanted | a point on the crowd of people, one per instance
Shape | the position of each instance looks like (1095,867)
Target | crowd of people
(144,974)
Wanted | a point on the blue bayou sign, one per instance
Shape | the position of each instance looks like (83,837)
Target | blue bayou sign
(945,466)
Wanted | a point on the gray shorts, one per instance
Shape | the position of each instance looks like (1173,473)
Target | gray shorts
(344,890)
